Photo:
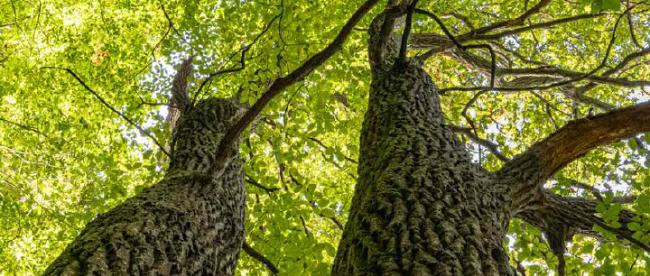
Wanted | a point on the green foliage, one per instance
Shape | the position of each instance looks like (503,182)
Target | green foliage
(604,5)
(64,158)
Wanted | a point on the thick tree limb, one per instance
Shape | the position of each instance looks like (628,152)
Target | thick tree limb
(559,218)
(179,101)
(278,85)
(536,165)
(578,137)
(553,213)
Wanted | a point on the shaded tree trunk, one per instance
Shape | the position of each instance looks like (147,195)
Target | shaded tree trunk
(420,206)
(190,223)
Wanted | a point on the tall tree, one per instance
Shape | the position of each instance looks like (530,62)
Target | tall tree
(421,207)
(504,165)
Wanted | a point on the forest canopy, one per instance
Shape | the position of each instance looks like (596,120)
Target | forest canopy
(85,87)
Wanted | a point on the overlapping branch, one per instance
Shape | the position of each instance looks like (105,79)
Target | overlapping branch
(549,76)
(491,146)
(280,84)
(242,59)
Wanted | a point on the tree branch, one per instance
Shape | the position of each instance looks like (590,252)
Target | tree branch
(491,146)
(401,57)
(463,48)
(179,101)
(242,59)
(512,22)
(602,64)
(282,83)
(553,213)
(578,137)
(545,73)
(253,182)
(259,257)
(25,127)
(533,167)
(111,108)
(172,26)
(320,143)
(542,25)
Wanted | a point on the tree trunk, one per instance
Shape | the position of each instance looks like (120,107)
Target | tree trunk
(420,206)
(190,223)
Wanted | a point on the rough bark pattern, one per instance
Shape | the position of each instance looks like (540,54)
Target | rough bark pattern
(420,206)
(190,223)
(565,216)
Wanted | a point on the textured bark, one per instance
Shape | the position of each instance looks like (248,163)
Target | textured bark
(580,136)
(190,223)
(565,216)
(420,206)
(559,218)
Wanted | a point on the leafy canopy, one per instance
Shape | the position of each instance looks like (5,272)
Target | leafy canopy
(64,157)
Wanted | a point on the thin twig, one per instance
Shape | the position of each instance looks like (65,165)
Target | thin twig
(491,146)
(602,64)
(282,83)
(304,227)
(630,25)
(320,143)
(242,59)
(171,25)
(107,105)
(25,127)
